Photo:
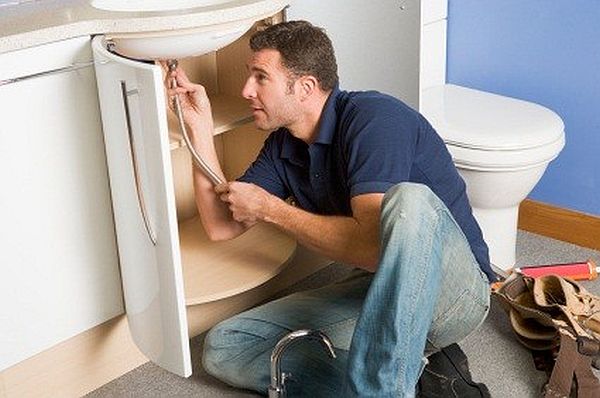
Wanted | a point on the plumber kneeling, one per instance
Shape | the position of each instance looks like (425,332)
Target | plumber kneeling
(372,186)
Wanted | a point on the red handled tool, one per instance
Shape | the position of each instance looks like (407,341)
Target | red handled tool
(578,271)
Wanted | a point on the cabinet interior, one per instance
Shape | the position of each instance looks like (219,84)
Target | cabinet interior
(218,270)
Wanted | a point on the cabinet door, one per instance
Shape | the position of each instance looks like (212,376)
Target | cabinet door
(376,42)
(132,104)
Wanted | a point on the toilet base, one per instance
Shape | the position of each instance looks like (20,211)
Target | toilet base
(499,227)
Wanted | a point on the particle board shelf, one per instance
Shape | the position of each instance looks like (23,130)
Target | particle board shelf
(217,270)
(229,112)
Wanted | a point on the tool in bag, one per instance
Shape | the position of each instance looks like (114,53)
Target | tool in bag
(554,313)
(584,270)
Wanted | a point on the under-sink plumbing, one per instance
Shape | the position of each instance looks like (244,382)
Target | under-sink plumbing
(214,177)
(278,377)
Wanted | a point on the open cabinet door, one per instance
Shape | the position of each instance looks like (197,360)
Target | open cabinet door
(133,108)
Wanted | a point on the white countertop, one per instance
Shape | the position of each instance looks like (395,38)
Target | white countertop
(44,21)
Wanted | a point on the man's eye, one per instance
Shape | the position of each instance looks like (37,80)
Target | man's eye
(261,78)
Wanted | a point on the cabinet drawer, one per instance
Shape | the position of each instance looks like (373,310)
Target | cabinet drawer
(44,58)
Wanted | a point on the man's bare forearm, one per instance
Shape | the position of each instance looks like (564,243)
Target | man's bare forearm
(340,238)
(214,213)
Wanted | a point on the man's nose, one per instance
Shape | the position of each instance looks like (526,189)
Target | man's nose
(248,90)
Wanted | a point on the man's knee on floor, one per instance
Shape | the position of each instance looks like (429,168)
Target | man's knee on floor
(224,342)
(235,346)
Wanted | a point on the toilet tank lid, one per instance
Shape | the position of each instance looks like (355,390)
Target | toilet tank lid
(477,119)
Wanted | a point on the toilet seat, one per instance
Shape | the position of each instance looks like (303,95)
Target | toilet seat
(485,131)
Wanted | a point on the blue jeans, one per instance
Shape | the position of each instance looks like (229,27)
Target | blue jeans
(428,292)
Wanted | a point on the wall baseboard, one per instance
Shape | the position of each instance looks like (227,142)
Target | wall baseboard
(554,222)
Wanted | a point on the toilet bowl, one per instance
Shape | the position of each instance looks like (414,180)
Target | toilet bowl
(501,147)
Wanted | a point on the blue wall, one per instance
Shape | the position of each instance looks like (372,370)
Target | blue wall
(544,51)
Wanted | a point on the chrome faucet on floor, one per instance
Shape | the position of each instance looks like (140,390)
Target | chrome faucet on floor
(278,377)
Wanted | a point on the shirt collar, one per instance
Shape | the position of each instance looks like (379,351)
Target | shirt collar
(293,149)
(328,118)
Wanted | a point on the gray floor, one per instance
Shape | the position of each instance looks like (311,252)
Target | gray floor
(495,357)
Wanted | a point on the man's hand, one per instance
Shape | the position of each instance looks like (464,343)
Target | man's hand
(195,105)
(248,203)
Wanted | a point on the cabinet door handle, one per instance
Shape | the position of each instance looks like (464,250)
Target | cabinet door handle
(136,172)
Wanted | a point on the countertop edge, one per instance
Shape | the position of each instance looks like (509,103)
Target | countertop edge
(83,19)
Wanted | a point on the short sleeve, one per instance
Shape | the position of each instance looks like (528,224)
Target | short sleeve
(380,146)
(264,170)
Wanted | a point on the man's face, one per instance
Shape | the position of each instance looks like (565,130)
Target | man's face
(271,93)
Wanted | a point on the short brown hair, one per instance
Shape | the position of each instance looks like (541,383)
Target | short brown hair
(305,50)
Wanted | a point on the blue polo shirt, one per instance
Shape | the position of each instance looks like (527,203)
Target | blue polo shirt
(367,143)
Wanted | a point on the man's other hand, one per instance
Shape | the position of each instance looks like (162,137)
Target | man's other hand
(248,203)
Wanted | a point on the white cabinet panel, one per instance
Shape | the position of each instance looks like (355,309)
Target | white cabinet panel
(433,10)
(433,54)
(58,258)
(376,42)
(140,172)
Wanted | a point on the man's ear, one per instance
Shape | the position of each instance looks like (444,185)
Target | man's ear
(308,86)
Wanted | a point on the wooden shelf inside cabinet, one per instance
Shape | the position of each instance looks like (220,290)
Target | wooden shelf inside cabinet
(217,270)
(229,112)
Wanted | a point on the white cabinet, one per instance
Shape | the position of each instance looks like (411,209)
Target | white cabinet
(68,173)
(58,257)
(174,279)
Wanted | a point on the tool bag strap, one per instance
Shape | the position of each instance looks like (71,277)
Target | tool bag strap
(572,364)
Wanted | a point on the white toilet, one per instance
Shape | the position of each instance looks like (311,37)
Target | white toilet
(501,147)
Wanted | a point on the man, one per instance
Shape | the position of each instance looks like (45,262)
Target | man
(375,188)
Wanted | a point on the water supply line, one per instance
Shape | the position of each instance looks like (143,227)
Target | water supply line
(278,378)
(214,177)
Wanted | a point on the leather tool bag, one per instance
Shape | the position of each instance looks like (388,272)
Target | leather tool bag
(552,312)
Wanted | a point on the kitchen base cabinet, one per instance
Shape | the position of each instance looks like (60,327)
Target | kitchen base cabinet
(78,249)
